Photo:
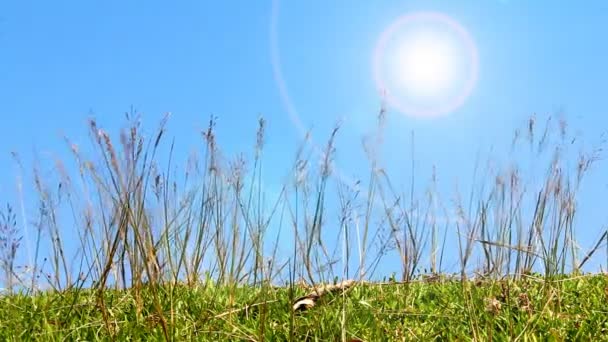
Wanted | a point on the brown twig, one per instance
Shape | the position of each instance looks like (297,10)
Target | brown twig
(308,301)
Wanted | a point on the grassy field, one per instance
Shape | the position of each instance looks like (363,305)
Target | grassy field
(571,309)
(126,249)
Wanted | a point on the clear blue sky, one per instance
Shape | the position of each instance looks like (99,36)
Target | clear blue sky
(60,61)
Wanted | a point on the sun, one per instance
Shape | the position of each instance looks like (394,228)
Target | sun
(425,64)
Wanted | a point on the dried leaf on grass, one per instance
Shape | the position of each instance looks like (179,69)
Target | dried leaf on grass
(310,300)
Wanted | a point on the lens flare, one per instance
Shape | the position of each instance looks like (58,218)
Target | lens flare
(425,64)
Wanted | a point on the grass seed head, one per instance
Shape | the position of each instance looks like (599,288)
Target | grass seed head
(493,306)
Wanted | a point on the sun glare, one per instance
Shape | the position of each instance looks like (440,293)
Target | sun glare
(425,64)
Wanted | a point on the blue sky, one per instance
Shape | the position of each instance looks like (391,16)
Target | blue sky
(63,61)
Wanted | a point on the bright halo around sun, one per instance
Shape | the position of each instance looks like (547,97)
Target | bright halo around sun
(425,64)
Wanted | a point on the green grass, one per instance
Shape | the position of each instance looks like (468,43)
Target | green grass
(528,309)
(136,228)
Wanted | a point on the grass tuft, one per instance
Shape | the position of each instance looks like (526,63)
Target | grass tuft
(130,248)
